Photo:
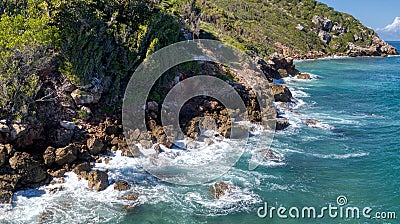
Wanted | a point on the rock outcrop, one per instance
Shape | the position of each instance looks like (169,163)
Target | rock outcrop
(98,180)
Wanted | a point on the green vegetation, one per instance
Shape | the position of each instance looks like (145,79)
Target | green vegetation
(264,27)
(87,40)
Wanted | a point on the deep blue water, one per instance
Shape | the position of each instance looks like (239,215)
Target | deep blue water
(352,151)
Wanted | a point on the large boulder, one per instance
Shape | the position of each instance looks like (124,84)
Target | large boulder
(98,180)
(95,145)
(65,155)
(30,170)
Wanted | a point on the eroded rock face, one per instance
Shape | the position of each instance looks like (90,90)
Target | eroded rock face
(220,189)
(49,156)
(281,92)
(29,169)
(121,185)
(98,180)
(65,155)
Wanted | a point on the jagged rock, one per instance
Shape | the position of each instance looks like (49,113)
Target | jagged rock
(219,189)
(61,137)
(82,97)
(281,124)
(30,169)
(67,125)
(95,145)
(161,137)
(324,24)
(121,185)
(65,155)
(325,36)
(49,156)
(98,180)
(303,76)
(281,92)
(284,64)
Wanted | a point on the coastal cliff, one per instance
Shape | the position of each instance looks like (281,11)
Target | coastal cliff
(64,73)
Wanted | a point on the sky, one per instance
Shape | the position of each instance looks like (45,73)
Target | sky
(372,13)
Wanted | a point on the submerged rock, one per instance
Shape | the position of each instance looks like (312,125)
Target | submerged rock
(219,189)
(281,124)
(311,122)
(121,185)
(131,197)
(303,76)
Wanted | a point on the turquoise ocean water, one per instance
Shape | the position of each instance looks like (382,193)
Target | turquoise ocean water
(353,151)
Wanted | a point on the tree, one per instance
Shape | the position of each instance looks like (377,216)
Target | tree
(19,79)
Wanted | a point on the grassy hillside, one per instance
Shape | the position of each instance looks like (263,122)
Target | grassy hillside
(89,41)
(267,26)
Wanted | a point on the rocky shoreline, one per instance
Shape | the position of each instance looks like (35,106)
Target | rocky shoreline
(52,142)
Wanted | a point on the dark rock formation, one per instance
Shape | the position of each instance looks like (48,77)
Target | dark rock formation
(30,170)
(281,93)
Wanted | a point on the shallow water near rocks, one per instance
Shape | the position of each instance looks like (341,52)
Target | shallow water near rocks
(352,151)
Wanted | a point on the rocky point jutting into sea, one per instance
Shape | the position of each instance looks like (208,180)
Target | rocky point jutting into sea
(72,124)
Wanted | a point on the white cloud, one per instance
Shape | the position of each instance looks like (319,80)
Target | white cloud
(391,31)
